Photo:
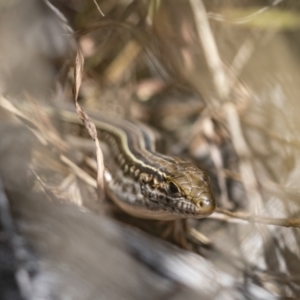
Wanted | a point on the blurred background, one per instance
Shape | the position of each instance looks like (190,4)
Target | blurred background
(219,80)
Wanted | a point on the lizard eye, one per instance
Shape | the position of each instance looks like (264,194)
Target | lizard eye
(173,189)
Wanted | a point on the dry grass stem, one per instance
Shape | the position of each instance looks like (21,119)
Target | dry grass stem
(90,126)
(42,184)
(245,165)
(239,62)
(225,215)
(99,9)
(210,48)
(7,105)
(247,170)
(272,134)
(199,236)
(78,73)
(250,17)
(79,172)
(122,63)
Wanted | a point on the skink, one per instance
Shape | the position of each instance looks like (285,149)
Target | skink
(143,182)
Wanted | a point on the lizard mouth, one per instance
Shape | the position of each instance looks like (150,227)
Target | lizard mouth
(203,207)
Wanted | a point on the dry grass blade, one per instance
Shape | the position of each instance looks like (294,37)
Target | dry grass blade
(81,174)
(210,48)
(247,171)
(121,64)
(226,215)
(40,181)
(272,134)
(78,71)
(99,9)
(246,168)
(242,20)
(223,95)
(4,103)
(143,42)
(90,126)
(48,140)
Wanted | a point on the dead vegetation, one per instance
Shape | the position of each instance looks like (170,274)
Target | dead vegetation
(222,91)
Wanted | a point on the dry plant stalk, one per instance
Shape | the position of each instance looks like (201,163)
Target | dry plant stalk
(46,141)
(210,48)
(221,214)
(223,86)
(115,71)
(246,167)
(90,126)
(226,215)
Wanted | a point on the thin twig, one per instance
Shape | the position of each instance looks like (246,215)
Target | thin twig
(226,215)
(199,236)
(7,105)
(295,142)
(79,172)
(99,9)
(220,18)
(40,181)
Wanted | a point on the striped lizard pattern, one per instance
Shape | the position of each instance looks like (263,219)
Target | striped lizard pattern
(143,182)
